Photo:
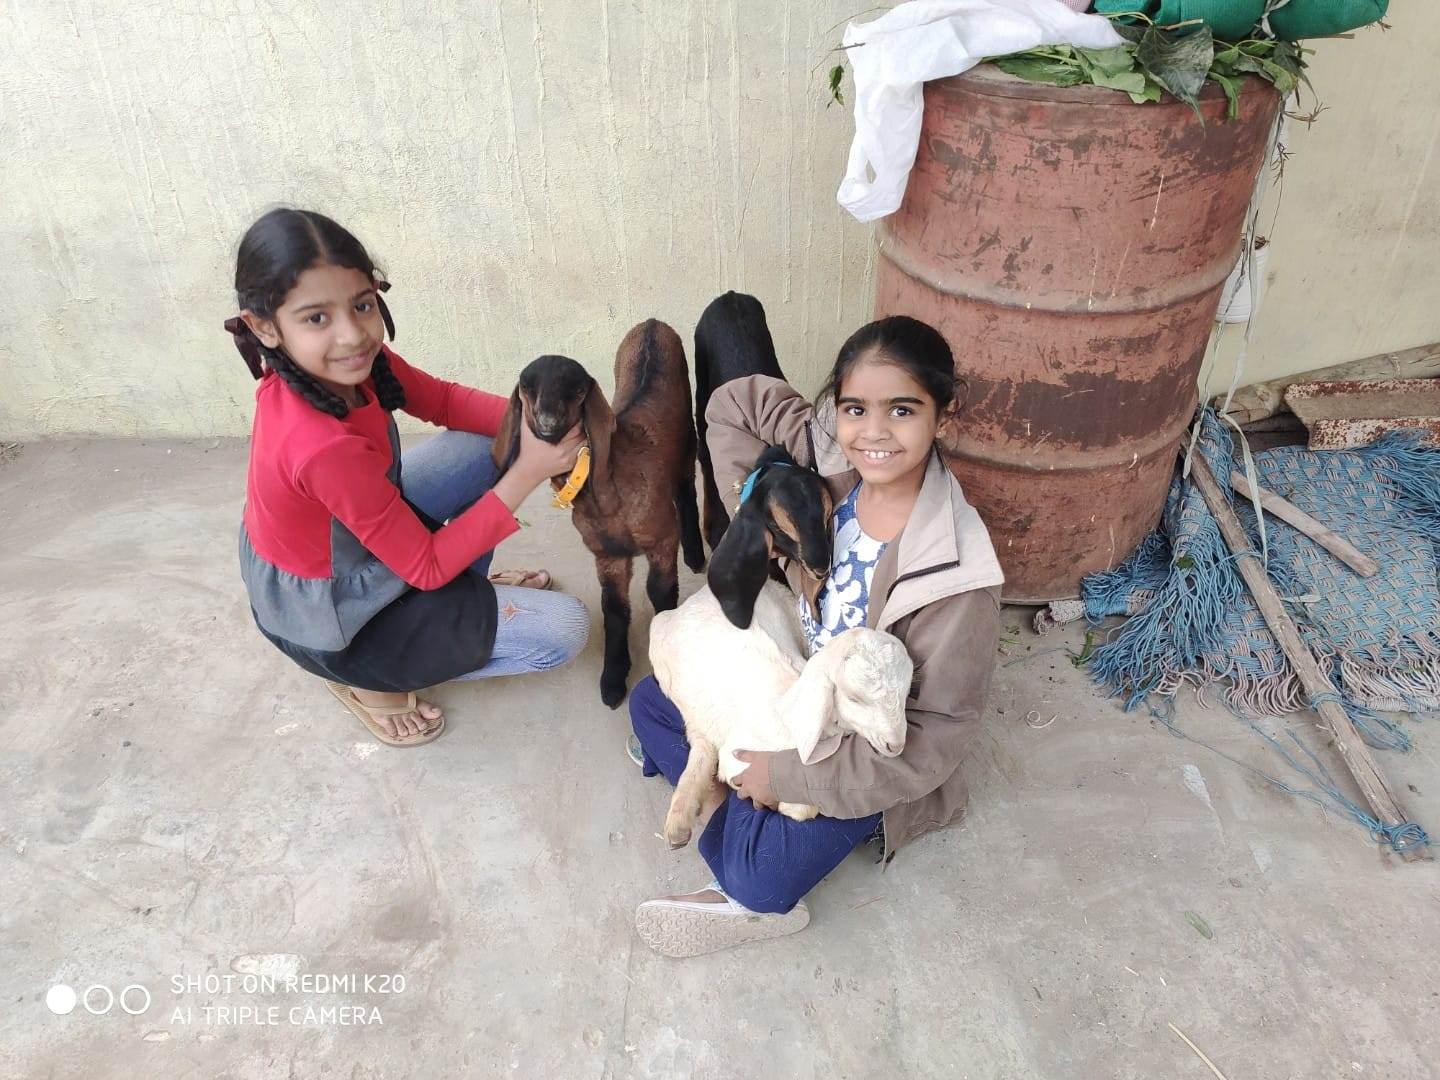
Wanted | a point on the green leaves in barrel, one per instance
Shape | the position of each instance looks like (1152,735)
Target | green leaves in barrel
(1280,62)
(1118,69)
(1178,61)
(1067,65)
(1055,65)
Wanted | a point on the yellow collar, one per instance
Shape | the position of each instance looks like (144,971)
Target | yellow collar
(565,495)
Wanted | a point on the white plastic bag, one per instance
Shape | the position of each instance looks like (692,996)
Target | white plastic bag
(1242,293)
(929,39)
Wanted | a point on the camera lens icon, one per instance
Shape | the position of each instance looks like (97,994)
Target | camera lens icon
(98,999)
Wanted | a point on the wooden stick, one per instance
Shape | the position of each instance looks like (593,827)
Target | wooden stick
(1357,756)
(1259,400)
(1291,514)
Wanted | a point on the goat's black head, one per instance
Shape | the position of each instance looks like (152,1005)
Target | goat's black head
(787,513)
(552,395)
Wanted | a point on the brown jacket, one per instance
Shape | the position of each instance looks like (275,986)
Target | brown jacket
(936,588)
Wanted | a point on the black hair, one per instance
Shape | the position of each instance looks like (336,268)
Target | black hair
(915,347)
(274,252)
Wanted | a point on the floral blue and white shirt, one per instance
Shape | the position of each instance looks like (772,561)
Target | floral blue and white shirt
(845,597)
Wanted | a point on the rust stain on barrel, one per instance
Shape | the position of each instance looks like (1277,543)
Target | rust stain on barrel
(1061,410)
(1071,246)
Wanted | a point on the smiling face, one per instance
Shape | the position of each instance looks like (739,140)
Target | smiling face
(885,422)
(329,324)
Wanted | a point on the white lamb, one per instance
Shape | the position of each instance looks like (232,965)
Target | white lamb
(753,689)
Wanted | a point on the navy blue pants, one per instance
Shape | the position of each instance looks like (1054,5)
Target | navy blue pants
(761,859)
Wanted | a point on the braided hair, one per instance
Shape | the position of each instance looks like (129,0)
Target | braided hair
(274,252)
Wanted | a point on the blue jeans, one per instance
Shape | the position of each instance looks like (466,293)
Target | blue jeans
(764,860)
(535,629)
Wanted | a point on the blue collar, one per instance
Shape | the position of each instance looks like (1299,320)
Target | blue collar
(748,487)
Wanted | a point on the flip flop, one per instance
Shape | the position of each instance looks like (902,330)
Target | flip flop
(524,579)
(367,714)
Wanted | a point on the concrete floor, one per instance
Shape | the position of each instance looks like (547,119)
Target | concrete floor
(178,800)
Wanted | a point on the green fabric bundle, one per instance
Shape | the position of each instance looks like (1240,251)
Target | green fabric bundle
(1321,18)
(1229,20)
(1234,20)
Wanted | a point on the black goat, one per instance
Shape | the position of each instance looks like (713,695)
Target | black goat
(732,341)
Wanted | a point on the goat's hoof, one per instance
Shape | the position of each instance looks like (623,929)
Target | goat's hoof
(612,691)
(677,836)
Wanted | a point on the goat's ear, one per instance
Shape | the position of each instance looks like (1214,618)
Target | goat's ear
(507,440)
(740,566)
(599,427)
(814,725)
(811,588)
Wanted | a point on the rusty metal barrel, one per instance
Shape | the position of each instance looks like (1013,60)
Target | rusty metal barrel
(1071,246)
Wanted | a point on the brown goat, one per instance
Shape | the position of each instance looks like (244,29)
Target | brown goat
(640,498)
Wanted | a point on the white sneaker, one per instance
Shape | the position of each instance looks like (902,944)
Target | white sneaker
(686,925)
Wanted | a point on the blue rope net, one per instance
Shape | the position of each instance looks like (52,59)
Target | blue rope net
(1323,791)
(1377,639)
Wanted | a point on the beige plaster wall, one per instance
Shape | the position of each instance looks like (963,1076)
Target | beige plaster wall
(1356,220)
(537,177)
(534,177)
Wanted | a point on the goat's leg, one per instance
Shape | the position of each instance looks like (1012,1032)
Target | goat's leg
(693,792)
(718,793)
(662,584)
(688,509)
(716,520)
(690,541)
(614,575)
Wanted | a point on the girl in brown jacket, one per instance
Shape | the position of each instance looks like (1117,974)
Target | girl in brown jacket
(910,556)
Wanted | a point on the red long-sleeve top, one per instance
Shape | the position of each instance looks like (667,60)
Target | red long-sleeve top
(309,471)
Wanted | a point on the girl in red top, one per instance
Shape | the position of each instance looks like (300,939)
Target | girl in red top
(367,567)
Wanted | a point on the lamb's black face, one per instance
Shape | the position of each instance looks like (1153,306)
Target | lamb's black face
(798,509)
(555,387)
(786,513)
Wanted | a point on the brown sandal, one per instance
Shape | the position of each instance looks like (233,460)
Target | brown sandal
(367,715)
(523,579)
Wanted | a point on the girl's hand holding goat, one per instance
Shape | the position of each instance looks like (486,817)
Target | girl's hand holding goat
(536,462)
(754,782)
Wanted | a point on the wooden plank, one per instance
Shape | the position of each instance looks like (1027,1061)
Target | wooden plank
(1363,767)
(1327,538)
(1345,414)
(1259,400)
